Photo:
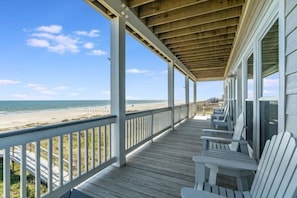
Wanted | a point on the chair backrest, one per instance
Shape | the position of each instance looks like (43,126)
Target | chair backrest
(238,129)
(276,174)
(226,114)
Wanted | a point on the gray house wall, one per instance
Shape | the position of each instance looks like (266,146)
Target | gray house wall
(291,65)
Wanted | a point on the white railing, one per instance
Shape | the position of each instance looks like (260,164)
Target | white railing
(143,126)
(192,109)
(180,113)
(64,155)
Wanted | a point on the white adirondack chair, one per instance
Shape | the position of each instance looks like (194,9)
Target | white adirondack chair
(220,143)
(221,120)
(276,174)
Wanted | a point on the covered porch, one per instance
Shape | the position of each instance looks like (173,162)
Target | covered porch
(159,169)
(243,43)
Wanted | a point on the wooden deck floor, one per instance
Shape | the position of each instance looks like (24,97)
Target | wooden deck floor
(160,169)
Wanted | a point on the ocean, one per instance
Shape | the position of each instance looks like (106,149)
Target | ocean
(28,106)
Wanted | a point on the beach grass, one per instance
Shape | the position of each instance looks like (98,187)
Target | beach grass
(100,155)
(15,181)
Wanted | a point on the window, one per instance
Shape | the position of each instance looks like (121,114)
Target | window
(249,101)
(270,85)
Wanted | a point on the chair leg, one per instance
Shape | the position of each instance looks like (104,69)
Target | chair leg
(212,177)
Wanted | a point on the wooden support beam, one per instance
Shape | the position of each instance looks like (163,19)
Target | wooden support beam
(194,55)
(209,68)
(214,73)
(201,35)
(202,41)
(192,11)
(203,50)
(204,56)
(136,3)
(159,7)
(200,28)
(204,45)
(206,63)
(199,20)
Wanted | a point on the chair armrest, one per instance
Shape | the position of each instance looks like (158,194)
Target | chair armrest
(240,163)
(219,139)
(192,193)
(210,131)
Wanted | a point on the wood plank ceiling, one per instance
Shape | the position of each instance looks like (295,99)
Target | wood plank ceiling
(200,33)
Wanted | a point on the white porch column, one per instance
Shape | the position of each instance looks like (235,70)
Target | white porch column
(118,98)
(187,90)
(171,91)
(195,96)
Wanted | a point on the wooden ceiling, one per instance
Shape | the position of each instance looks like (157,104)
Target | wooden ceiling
(200,33)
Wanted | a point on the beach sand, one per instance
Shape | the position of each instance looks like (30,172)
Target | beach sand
(22,120)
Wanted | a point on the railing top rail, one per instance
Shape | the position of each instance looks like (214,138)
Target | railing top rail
(135,114)
(21,136)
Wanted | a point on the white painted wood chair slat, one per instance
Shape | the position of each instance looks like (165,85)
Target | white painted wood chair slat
(289,154)
(280,163)
(262,174)
(289,177)
(262,163)
(276,174)
(273,163)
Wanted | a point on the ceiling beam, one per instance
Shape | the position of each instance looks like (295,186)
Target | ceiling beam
(159,7)
(206,63)
(136,3)
(203,50)
(201,35)
(191,11)
(201,41)
(204,56)
(203,45)
(199,20)
(209,68)
(200,28)
(209,74)
(209,52)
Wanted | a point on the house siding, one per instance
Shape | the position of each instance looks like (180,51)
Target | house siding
(291,65)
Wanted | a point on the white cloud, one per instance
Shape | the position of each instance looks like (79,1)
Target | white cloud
(37,87)
(54,29)
(92,33)
(136,71)
(98,52)
(89,45)
(61,88)
(38,42)
(53,39)
(9,82)
(45,90)
(21,96)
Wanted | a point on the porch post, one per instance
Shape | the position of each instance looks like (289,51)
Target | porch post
(118,98)
(171,91)
(195,97)
(187,95)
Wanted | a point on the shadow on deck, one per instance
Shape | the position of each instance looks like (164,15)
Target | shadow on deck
(160,169)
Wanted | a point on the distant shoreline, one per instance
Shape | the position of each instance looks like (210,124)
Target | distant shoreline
(20,120)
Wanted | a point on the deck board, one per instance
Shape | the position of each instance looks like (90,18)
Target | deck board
(159,169)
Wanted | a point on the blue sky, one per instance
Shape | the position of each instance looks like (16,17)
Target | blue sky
(53,50)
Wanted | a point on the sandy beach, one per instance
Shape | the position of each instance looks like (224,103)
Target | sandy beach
(12,121)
